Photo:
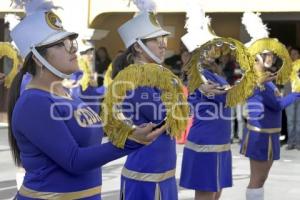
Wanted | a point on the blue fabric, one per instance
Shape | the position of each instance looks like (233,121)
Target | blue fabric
(264,110)
(91,96)
(264,107)
(258,145)
(60,143)
(206,171)
(211,126)
(143,105)
(25,80)
(211,118)
(137,189)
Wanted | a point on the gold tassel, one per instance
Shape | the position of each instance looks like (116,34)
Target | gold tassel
(107,77)
(295,80)
(6,49)
(85,80)
(191,67)
(280,50)
(238,93)
(145,75)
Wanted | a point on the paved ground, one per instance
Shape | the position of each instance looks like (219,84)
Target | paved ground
(283,183)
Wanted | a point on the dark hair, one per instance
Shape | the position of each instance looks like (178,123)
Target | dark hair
(295,48)
(107,57)
(122,61)
(14,94)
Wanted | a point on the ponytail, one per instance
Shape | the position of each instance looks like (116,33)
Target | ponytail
(14,94)
(123,61)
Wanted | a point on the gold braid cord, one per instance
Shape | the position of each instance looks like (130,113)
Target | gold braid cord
(295,80)
(280,50)
(145,75)
(239,92)
(107,76)
(7,50)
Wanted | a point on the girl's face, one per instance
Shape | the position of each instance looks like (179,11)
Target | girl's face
(268,59)
(62,56)
(157,46)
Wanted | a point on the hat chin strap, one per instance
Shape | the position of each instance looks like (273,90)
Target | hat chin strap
(48,66)
(148,51)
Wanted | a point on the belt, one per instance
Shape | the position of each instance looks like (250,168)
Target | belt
(149,177)
(26,192)
(263,130)
(207,148)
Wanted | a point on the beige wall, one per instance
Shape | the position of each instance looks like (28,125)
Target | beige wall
(224,25)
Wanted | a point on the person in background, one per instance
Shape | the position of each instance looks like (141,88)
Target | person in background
(261,139)
(185,57)
(233,74)
(148,174)
(102,61)
(293,112)
(84,82)
(2,77)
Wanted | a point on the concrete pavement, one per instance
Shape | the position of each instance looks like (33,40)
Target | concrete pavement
(283,182)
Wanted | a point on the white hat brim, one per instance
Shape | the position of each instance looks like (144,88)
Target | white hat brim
(157,34)
(58,36)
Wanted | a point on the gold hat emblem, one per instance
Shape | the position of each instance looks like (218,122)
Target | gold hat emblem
(53,21)
(153,19)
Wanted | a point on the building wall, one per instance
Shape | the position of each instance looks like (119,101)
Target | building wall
(224,24)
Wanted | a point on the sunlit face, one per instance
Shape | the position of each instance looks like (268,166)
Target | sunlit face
(62,56)
(268,61)
(90,55)
(185,57)
(157,46)
(295,54)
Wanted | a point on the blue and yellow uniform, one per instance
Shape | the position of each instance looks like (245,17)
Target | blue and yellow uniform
(261,139)
(206,164)
(25,80)
(62,153)
(149,173)
(91,95)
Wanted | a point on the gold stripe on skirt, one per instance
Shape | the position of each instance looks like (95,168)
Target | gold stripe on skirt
(149,177)
(263,130)
(207,148)
(26,192)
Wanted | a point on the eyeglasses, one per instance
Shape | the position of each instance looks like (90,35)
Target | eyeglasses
(162,41)
(70,45)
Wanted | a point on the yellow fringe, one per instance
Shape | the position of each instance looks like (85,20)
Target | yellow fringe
(280,50)
(191,67)
(238,93)
(87,73)
(145,75)
(6,49)
(295,80)
(107,76)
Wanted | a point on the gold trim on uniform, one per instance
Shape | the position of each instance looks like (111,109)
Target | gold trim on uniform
(86,117)
(149,177)
(207,148)
(218,172)
(245,145)
(263,130)
(157,195)
(26,192)
(270,148)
